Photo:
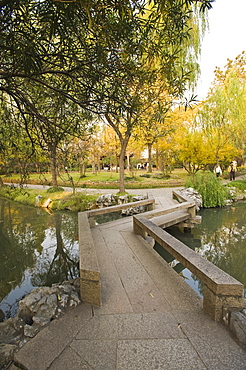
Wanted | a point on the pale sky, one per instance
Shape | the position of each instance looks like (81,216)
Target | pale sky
(226,38)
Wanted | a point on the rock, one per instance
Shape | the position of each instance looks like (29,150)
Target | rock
(38,200)
(74,299)
(25,313)
(11,330)
(31,331)
(239,197)
(139,197)
(133,210)
(31,299)
(41,321)
(2,315)
(194,195)
(107,200)
(46,308)
(63,300)
(238,326)
(35,311)
(47,203)
(122,199)
(6,353)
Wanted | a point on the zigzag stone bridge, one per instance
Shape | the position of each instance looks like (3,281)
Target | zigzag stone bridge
(140,315)
(221,291)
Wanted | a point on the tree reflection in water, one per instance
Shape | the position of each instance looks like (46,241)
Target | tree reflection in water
(222,240)
(59,260)
(36,249)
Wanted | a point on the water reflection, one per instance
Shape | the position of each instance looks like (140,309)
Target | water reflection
(221,239)
(36,249)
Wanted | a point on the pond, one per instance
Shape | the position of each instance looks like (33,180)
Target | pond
(220,238)
(39,249)
(36,249)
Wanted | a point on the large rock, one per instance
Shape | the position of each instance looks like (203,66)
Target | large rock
(194,195)
(135,210)
(6,353)
(238,326)
(35,311)
(107,200)
(11,330)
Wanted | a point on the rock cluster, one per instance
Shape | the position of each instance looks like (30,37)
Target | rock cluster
(194,195)
(35,311)
(236,323)
(135,210)
(108,200)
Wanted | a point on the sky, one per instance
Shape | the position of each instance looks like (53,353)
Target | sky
(226,38)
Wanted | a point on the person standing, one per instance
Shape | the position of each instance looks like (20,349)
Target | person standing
(218,171)
(232,171)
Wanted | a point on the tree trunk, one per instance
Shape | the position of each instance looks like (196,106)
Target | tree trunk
(128,161)
(82,169)
(53,166)
(150,157)
(123,143)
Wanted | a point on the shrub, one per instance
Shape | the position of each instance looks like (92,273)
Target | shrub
(146,175)
(239,184)
(55,190)
(76,202)
(213,193)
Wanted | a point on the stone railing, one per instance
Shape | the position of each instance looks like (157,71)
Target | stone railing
(149,203)
(90,287)
(220,289)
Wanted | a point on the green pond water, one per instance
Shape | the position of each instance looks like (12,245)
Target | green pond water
(220,238)
(36,249)
(39,249)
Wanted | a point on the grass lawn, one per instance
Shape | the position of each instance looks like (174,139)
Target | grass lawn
(107,179)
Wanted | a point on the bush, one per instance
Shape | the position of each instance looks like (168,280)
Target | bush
(239,184)
(55,190)
(213,193)
(146,175)
(76,202)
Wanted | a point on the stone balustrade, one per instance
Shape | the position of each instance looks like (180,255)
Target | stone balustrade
(149,203)
(220,289)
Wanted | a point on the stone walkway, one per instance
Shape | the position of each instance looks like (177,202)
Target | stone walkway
(149,319)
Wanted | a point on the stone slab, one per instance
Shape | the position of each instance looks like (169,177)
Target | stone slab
(70,360)
(212,341)
(99,354)
(131,326)
(42,350)
(114,296)
(163,354)
(174,290)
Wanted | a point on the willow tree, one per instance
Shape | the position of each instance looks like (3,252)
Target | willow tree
(160,50)
(222,116)
(231,85)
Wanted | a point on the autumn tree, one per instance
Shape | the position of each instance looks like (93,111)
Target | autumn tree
(152,121)
(111,147)
(231,85)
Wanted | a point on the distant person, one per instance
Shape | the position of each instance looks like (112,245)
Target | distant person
(218,171)
(232,170)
